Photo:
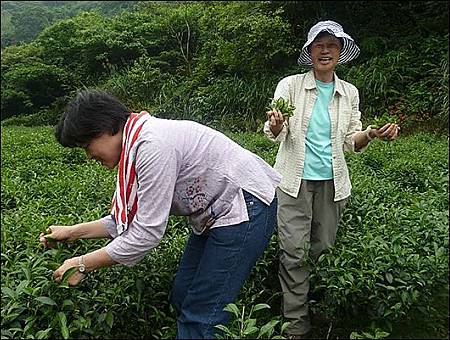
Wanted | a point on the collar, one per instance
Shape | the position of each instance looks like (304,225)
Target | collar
(310,82)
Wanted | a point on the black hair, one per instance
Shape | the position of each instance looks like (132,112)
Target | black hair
(89,115)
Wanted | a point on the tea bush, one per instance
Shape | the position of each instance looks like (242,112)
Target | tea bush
(389,260)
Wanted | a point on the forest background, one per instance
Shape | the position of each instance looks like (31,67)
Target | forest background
(218,63)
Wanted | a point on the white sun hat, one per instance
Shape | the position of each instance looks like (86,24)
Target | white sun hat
(349,49)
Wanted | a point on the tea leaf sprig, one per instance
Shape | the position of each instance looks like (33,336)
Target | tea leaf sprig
(282,105)
(382,120)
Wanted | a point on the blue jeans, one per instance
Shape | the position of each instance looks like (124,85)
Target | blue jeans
(214,268)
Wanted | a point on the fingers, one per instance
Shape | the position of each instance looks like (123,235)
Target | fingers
(74,278)
(42,240)
(275,117)
(57,275)
(45,238)
(389,131)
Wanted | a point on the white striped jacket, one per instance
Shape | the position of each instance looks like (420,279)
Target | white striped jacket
(300,90)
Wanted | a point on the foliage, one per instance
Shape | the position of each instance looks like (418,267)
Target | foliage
(24,20)
(218,62)
(284,106)
(387,262)
(387,255)
(245,325)
(375,334)
(31,87)
(398,84)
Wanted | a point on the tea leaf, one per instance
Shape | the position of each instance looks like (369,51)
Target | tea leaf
(63,324)
(67,274)
(52,265)
(46,300)
(261,306)
(109,319)
(232,308)
(283,106)
(389,277)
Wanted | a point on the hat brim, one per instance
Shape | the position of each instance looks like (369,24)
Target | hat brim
(348,52)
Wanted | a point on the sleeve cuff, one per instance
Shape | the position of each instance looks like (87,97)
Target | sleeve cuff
(110,225)
(281,136)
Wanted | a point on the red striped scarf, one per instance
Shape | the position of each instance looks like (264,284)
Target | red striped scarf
(125,201)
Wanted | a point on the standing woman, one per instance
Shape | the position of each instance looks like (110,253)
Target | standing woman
(169,167)
(315,184)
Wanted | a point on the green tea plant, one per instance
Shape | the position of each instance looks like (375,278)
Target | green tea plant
(381,120)
(245,325)
(375,334)
(389,260)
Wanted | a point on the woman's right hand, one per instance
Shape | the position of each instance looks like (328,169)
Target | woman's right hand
(276,120)
(56,233)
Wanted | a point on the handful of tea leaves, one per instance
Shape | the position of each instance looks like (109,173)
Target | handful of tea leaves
(380,121)
(282,105)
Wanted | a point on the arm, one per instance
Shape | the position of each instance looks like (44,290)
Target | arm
(87,230)
(362,139)
(358,140)
(388,131)
(156,170)
(276,127)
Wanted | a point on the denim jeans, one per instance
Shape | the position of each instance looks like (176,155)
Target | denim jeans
(214,268)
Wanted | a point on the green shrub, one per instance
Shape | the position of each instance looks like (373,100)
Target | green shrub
(389,259)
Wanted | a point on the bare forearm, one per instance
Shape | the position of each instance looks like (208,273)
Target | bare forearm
(94,229)
(97,259)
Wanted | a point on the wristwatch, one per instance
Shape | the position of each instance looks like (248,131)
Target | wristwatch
(81,265)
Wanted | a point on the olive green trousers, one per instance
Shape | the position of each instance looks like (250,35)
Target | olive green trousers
(307,225)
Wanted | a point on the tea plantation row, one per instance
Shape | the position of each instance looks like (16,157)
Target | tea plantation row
(390,259)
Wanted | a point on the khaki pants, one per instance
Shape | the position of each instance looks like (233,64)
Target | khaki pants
(306,224)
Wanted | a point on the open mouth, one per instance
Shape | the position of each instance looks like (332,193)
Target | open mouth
(325,59)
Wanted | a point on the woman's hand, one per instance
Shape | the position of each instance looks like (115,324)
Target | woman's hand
(56,233)
(388,131)
(75,278)
(276,120)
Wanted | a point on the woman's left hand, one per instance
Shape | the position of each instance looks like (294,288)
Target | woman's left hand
(75,278)
(389,131)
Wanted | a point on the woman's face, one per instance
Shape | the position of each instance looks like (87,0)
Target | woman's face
(325,51)
(105,149)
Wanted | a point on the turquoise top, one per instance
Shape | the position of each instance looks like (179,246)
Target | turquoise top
(318,164)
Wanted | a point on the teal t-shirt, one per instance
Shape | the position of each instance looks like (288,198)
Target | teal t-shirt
(318,164)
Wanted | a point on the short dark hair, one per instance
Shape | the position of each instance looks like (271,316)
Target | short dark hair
(89,115)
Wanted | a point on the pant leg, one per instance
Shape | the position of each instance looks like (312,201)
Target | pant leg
(312,219)
(229,255)
(294,231)
(326,216)
(187,269)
